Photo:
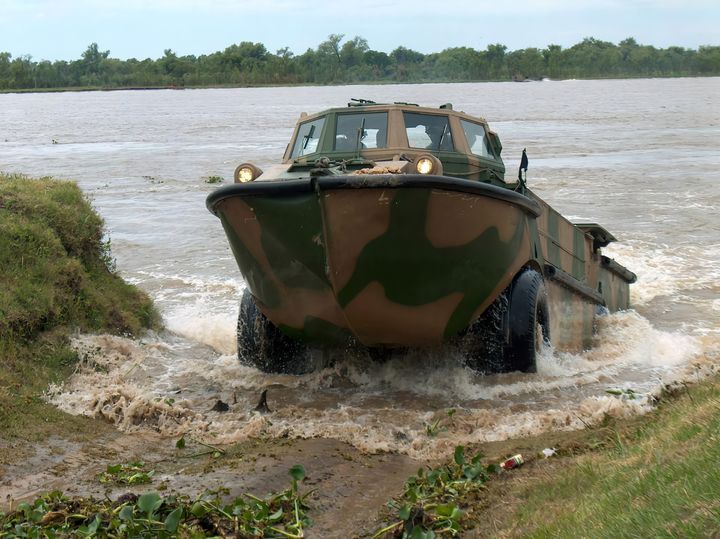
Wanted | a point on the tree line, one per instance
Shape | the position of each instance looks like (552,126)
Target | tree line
(336,61)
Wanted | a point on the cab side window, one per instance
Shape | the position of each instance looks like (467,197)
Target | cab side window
(477,139)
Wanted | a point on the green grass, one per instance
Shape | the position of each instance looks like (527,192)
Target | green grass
(56,276)
(658,479)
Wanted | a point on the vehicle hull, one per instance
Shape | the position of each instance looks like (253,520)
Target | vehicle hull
(396,260)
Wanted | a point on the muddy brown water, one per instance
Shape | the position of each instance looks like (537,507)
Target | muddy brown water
(637,156)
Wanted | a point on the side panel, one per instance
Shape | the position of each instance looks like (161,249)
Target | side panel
(615,290)
(571,318)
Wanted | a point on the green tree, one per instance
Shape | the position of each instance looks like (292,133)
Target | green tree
(93,64)
(328,58)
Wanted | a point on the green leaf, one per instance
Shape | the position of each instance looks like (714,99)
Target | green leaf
(445,510)
(126,513)
(199,510)
(114,468)
(419,532)
(94,525)
(277,515)
(471,472)
(173,520)
(404,512)
(460,455)
(24,507)
(298,472)
(180,444)
(148,503)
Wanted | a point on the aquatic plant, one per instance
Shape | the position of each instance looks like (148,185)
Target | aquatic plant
(126,474)
(431,503)
(277,515)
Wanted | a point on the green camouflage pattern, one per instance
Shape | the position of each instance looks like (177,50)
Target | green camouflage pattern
(407,265)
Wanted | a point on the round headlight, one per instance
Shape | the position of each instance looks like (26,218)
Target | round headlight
(424,165)
(246,172)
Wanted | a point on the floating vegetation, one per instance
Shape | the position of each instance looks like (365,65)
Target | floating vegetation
(126,474)
(152,515)
(214,179)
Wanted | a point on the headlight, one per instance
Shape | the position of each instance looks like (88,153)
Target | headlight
(424,166)
(247,172)
(428,164)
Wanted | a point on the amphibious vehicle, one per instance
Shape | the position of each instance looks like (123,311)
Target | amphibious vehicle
(393,226)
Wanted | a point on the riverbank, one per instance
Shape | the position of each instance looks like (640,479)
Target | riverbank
(321,85)
(58,277)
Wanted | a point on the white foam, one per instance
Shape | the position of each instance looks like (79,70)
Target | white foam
(168,384)
(193,322)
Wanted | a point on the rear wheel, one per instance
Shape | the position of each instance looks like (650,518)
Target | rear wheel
(509,334)
(261,344)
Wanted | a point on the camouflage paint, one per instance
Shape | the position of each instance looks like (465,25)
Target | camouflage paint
(333,257)
(408,266)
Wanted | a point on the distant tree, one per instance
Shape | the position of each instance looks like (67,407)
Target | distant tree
(552,56)
(328,58)
(353,52)
(526,64)
(378,62)
(5,79)
(248,63)
(494,55)
(93,59)
(407,62)
(708,60)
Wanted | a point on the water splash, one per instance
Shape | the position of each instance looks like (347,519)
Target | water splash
(167,384)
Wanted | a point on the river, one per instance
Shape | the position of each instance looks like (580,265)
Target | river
(637,156)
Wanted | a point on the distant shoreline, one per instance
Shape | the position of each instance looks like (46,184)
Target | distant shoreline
(361,83)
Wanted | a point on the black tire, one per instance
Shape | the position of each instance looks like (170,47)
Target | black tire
(261,344)
(528,321)
(483,343)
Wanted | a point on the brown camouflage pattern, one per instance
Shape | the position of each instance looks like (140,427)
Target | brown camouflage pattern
(406,266)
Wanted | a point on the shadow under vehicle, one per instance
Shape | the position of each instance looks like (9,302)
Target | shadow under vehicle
(392,226)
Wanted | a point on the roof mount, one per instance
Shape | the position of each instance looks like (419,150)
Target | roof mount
(360,102)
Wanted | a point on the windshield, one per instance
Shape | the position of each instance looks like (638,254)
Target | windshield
(308,137)
(429,131)
(371,127)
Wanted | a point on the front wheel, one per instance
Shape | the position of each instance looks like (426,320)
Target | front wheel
(261,344)
(528,322)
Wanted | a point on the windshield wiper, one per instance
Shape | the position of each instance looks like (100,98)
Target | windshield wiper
(306,138)
(442,136)
(358,140)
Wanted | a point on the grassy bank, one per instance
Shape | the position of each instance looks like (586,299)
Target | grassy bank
(56,276)
(654,476)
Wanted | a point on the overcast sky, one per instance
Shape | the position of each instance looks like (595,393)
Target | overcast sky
(62,29)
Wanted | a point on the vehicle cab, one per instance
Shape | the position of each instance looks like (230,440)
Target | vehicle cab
(463,145)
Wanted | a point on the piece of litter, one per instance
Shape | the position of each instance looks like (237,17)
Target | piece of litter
(512,462)
(548,452)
